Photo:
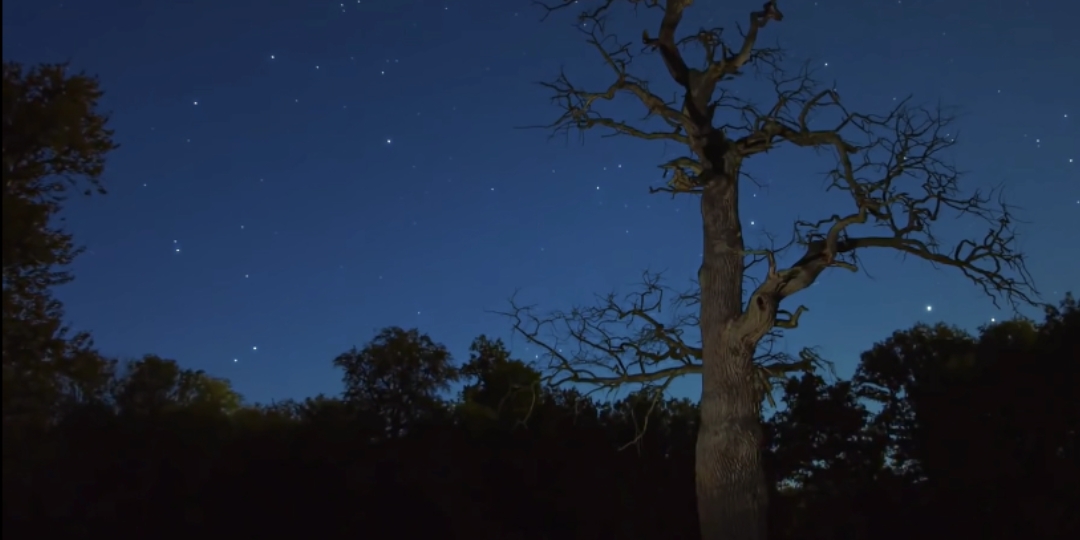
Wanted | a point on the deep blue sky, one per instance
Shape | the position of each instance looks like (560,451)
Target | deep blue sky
(297,174)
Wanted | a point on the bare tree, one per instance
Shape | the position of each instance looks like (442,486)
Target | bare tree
(891,166)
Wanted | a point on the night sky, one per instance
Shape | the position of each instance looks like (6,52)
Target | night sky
(295,175)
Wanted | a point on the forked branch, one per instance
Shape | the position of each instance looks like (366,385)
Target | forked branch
(579,106)
(689,123)
(627,340)
(900,185)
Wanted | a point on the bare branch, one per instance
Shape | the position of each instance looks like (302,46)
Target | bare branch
(625,341)
(578,105)
(684,173)
(618,341)
(690,124)
(640,427)
(792,320)
(903,184)
(899,182)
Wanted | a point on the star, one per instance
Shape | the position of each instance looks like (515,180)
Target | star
(338,205)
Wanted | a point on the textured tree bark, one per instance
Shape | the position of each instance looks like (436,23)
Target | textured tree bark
(730,482)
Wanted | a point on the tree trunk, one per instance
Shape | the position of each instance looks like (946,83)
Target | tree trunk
(730,482)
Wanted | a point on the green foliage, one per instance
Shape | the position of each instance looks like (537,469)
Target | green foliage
(938,430)
(153,385)
(498,390)
(896,374)
(54,140)
(973,434)
(398,377)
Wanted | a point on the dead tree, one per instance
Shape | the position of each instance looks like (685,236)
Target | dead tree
(891,165)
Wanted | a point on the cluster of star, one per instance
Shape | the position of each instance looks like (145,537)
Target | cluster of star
(391,141)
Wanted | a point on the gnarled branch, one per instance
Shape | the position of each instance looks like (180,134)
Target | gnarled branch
(623,340)
(578,105)
(690,124)
(892,167)
(899,183)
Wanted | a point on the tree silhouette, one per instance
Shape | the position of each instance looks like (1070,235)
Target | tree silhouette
(823,455)
(938,428)
(54,141)
(398,377)
(988,447)
(892,166)
(497,387)
(153,385)
(987,425)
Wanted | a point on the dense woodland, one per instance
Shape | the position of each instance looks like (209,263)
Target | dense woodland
(939,432)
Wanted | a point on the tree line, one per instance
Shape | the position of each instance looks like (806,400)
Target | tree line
(938,431)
